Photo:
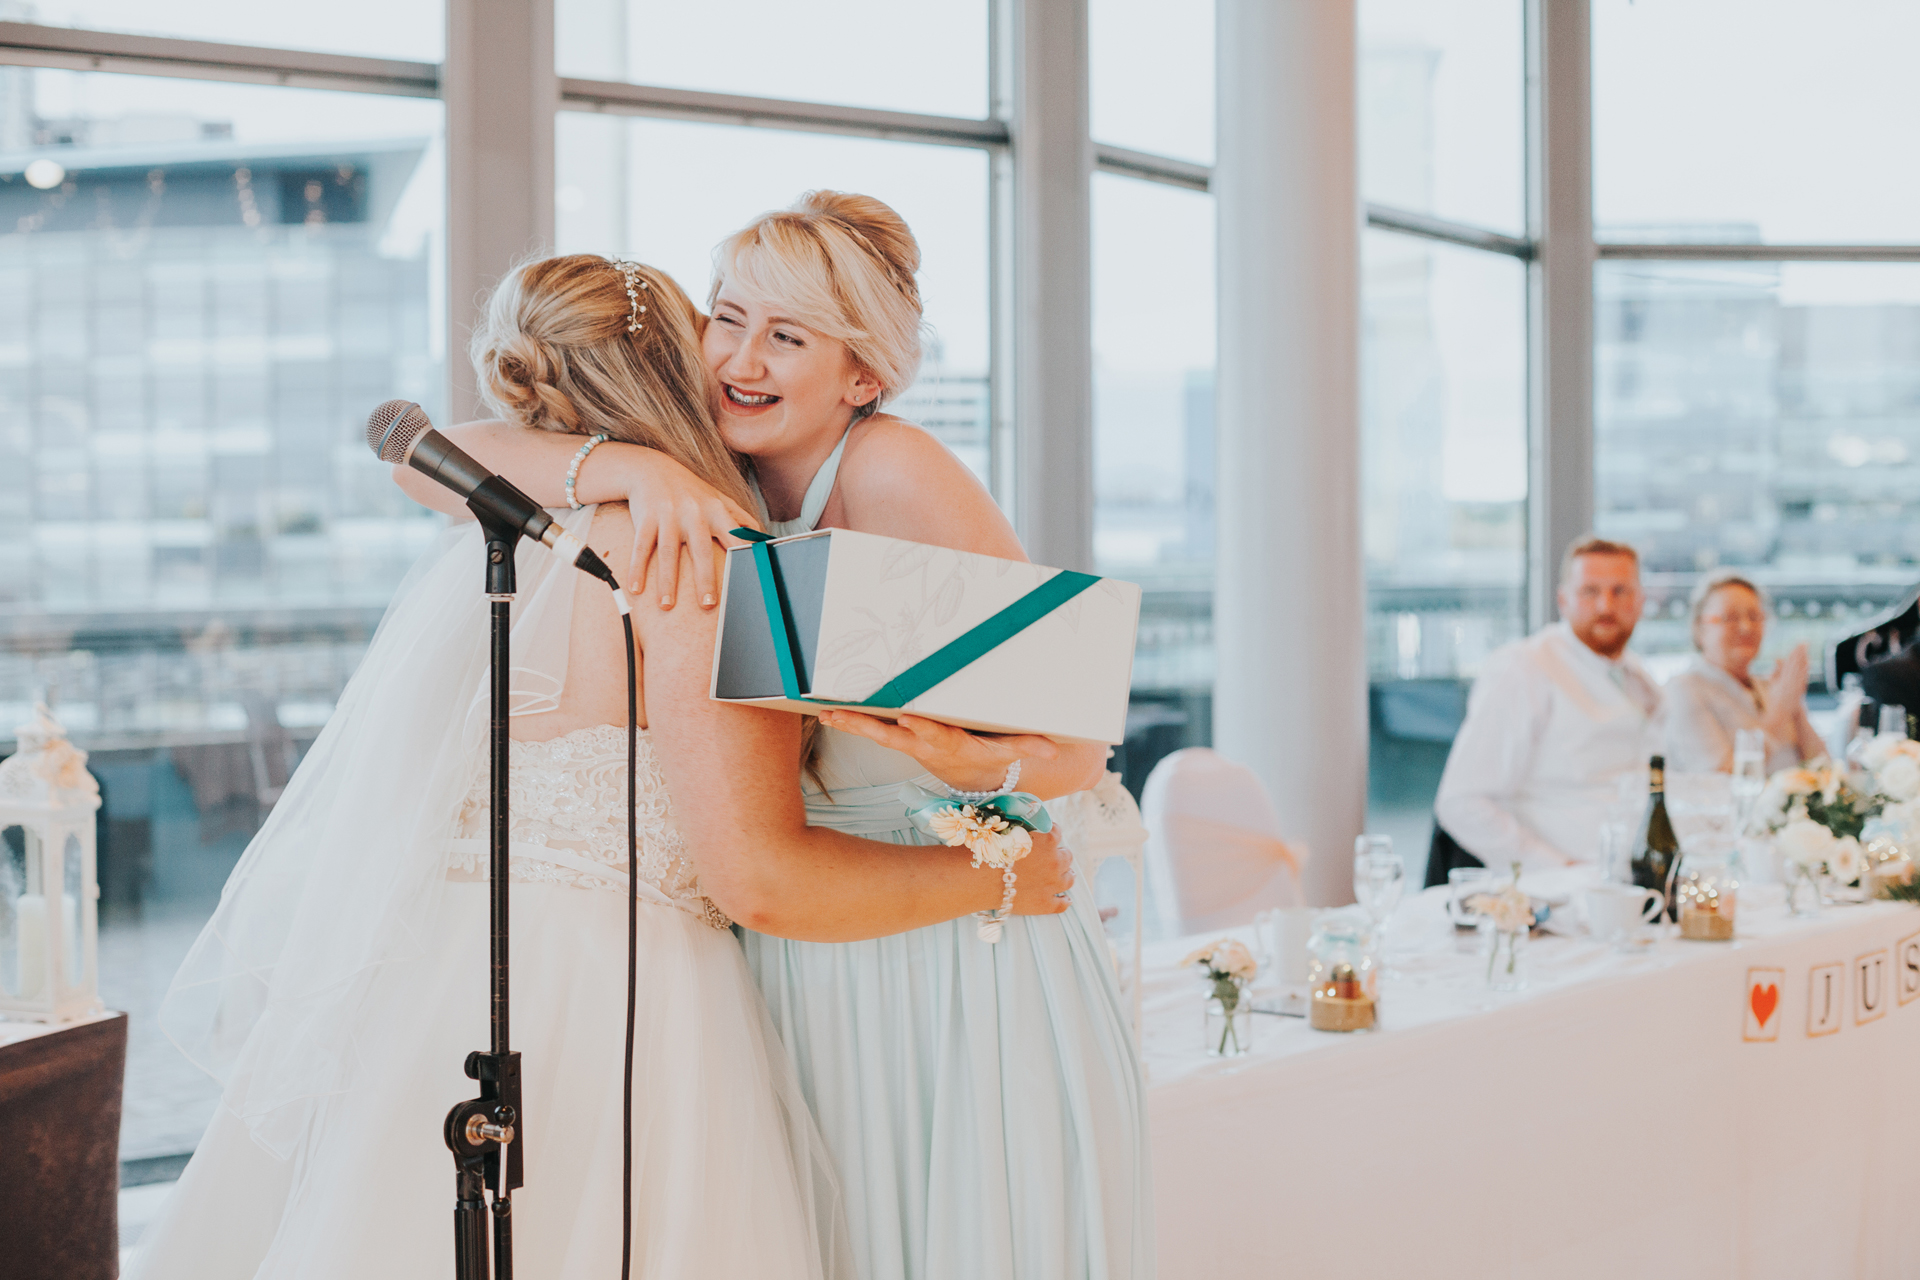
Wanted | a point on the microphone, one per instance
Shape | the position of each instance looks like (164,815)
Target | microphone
(398,432)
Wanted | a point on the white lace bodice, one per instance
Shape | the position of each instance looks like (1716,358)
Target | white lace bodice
(564,798)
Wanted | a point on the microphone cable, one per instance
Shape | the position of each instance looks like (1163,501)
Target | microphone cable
(633,939)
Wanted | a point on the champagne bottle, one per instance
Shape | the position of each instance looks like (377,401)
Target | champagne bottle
(1656,850)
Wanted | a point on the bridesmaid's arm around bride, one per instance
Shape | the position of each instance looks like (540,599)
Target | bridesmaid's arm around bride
(686,524)
(730,772)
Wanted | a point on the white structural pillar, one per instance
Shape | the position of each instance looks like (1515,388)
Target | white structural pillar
(1052,284)
(501,93)
(1560,212)
(1290,697)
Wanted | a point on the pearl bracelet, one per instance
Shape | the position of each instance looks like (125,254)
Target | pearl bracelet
(573,468)
(991,922)
(1007,784)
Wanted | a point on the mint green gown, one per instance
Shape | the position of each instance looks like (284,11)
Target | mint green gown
(984,1103)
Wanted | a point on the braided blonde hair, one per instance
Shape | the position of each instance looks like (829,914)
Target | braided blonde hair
(554,354)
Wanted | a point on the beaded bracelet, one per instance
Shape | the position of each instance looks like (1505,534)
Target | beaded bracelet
(991,921)
(573,468)
(1007,784)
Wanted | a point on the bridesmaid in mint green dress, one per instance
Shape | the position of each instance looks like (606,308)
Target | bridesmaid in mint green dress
(983,1102)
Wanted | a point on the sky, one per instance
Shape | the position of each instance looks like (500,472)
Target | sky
(1794,118)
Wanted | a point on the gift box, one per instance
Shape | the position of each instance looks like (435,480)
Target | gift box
(880,625)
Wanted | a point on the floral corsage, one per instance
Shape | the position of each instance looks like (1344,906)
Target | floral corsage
(998,832)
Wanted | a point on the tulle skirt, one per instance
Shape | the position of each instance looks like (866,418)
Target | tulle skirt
(729,1178)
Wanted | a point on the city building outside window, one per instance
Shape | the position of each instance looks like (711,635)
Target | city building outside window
(203,290)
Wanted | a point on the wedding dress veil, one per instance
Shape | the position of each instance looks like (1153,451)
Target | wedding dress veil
(347,874)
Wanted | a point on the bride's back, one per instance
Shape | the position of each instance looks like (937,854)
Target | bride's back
(595,692)
(584,345)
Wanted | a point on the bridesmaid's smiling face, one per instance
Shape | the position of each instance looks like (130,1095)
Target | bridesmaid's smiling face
(782,387)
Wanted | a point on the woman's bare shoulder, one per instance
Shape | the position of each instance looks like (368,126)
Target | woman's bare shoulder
(898,479)
(886,444)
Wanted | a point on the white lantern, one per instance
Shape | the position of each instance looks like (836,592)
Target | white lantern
(49,888)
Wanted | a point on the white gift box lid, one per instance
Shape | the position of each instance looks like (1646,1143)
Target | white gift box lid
(860,612)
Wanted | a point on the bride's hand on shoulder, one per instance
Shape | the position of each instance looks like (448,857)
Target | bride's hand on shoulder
(1044,877)
(674,509)
(962,760)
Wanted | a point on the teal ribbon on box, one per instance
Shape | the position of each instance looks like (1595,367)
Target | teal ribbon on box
(923,675)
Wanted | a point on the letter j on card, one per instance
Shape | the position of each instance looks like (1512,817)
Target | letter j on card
(1826,999)
(1762,1011)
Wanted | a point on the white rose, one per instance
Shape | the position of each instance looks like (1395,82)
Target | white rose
(1904,818)
(1845,861)
(1879,749)
(1899,777)
(1803,843)
(1797,782)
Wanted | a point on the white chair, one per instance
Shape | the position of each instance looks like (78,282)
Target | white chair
(1214,849)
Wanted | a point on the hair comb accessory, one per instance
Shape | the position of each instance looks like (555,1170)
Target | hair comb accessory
(630,273)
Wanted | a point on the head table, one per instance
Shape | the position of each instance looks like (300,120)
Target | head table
(1691,1109)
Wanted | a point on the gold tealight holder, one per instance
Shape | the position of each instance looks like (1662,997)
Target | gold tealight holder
(1342,976)
(1706,896)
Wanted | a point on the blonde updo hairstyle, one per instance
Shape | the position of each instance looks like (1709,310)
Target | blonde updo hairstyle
(844,266)
(554,354)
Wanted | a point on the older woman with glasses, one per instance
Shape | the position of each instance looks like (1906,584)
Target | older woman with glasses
(1716,697)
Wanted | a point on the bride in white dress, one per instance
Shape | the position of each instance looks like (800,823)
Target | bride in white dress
(343,978)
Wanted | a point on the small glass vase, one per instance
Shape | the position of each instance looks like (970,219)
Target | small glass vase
(1507,959)
(1229,1024)
(1805,890)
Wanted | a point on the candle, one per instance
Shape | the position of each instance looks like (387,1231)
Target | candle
(1710,920)
(30,930)
(1341,1003)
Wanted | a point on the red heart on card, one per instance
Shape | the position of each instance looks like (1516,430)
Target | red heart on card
(1764,1001)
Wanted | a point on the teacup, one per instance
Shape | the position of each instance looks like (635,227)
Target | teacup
(1617,912)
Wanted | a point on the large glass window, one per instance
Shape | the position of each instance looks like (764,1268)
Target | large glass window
(1151,76)
(929,58)
(1443,399)
(1767,416)
(410,29)
(1443,109)
(204,288)
(1153,360)
(1755,120)
(667,192)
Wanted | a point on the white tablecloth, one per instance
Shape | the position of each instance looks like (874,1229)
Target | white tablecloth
(1612,1121)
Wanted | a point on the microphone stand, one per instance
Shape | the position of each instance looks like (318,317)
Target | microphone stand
(486,1134)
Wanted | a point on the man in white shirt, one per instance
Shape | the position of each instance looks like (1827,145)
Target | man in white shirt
(1552,723)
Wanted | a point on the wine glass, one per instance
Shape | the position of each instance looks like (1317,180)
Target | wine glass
(1616,852)
(1749,773)
(1379,877)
